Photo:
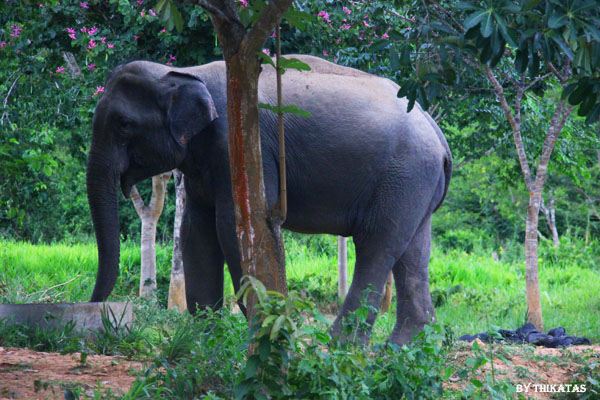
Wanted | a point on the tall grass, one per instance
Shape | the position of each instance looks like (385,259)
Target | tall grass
(473,292)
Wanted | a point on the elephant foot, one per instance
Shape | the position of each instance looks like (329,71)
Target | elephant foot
(405,334)
(347,333)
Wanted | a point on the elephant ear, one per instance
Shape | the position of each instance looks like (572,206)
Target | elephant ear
(190,108)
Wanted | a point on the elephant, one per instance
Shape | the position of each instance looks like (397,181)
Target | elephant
(360,165)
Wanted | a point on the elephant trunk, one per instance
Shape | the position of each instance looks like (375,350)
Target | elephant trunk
(102,184)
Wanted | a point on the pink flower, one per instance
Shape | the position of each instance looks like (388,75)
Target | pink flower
(143,13)
(91,44)
(172,57)
(83,30)
(366,24)
(15,31)
(152,12)
(140,2)
(60,69)
(135,37)
(99,89)
(103,39)
(346,10)
(266,51)
(92,31)
(163,30)
(325,53)
(84,5)
(2,44)
(91,67)
(324,15)
(72,33)
(110,46)
(244,3)
(345,27)
(385,36)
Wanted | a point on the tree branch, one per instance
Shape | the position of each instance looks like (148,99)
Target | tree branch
(138,202)
(157,201)
(268,18)
(561,113)
(230,29)
(515,125)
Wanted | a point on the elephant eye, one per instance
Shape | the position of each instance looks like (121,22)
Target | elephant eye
(125,123)
(125,127)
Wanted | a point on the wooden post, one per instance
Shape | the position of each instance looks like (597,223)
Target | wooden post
(387,294)
(342,267)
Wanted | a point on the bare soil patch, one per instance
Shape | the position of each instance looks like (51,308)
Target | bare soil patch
(528,364)
(28,374)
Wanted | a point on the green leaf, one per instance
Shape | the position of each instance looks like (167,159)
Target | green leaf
(286,109)
(477,383)
(251,366)
(557,21)
(579,94)
(293,63)
(487,26)
(177,17)
(474,19)
(276,327)
(264,349)
(507,34)
(266,59)
(564,46)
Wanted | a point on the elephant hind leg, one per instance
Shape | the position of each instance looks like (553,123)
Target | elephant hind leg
(411,275)
(370,274)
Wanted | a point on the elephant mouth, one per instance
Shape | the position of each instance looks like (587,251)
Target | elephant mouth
(130,177)
(126,185)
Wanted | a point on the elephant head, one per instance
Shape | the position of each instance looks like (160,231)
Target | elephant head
(141,127)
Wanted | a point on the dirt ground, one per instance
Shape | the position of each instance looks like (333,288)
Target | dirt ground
(523,365)
(28,374)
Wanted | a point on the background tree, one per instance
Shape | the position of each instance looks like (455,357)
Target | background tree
(176,295)
(149,215)
(527,49)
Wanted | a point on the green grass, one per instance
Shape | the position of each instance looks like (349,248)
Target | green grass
(473,291)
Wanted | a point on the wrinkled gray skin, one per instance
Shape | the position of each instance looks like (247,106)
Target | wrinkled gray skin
(360,166)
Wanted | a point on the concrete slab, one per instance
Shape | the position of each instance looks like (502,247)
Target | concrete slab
(86,316)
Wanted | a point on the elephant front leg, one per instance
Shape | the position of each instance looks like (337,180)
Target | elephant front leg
(202,259)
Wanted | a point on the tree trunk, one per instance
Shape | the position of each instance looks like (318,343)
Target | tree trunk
(386,302)
(257,228)
(177,298)
(149,215)
(342,268)
(148,267)
(258,232)
(534,306)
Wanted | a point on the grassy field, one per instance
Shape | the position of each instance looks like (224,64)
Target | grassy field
(472,292)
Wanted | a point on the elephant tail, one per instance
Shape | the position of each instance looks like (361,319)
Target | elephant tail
(447,175)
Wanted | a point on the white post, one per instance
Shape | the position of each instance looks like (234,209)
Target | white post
(342,267)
